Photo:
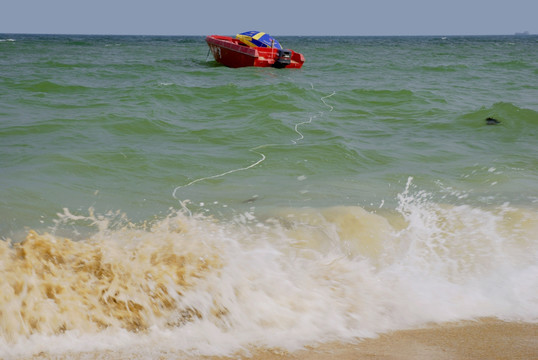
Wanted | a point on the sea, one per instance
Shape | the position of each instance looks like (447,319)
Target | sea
(156,203)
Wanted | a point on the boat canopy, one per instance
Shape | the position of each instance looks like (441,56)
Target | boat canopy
(258,39)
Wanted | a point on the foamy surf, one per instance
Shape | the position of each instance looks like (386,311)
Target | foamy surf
(201,286)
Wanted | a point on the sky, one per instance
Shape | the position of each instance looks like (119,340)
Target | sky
(277,17)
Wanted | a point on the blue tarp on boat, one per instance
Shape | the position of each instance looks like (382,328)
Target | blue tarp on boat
(258,39)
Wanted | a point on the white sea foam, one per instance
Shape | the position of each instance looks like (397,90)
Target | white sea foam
(196,285)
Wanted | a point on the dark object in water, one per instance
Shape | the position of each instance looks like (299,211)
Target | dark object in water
(251,200)
(492,121)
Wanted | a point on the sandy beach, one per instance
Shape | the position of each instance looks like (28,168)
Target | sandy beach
(485,339)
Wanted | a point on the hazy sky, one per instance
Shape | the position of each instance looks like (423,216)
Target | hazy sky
(277,17)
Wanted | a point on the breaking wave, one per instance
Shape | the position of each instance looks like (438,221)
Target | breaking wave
(202,286)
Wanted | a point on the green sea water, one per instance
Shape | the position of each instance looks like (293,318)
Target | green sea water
(125,123)
(214,210)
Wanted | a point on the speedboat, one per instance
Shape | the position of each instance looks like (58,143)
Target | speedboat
(252,48)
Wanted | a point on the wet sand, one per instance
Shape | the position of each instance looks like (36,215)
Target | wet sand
(485,339)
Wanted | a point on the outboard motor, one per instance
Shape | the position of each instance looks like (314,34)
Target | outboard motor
(283,58)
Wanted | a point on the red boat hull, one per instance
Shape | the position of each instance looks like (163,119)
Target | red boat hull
(233,53)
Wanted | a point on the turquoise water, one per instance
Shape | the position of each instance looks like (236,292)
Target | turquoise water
(97,132)
(117,123)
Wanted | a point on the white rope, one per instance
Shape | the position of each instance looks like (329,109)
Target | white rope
(227,172)
(311,118)
(254,150)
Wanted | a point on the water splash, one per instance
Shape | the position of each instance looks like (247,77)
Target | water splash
(189,283)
